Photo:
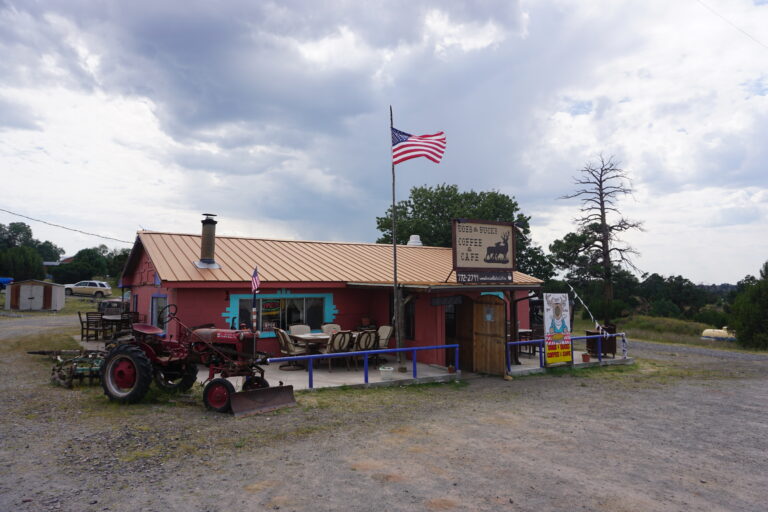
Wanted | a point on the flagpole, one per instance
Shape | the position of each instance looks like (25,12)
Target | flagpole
(395,289)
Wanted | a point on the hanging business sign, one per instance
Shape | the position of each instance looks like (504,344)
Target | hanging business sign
(483,251)
(557,329)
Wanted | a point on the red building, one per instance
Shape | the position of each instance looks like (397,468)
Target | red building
(209,277)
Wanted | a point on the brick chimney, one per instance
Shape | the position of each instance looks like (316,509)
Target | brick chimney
(208,243)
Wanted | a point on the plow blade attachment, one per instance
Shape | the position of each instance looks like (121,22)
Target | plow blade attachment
(256,401)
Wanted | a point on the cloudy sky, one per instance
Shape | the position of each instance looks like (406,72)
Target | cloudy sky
(117,116)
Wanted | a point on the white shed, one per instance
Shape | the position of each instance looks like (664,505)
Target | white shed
(34,295)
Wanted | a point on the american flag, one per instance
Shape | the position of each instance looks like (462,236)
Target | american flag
(255,281)
(406,146)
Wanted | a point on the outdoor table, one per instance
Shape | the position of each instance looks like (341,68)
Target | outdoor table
(313,341)
(111,321)
(523,335)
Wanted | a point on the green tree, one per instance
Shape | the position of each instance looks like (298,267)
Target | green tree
(116,259)
(93,258)
(86,264)
(749,314)
(15,234)
(428,212)
(21,263)
(49,251)
(597,239)
(72,272)
(19,234)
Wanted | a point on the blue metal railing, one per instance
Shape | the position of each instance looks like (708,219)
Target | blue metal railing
(541,342)
(365,353)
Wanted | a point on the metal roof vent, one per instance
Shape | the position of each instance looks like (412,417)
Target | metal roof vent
(415,240)
(208,243)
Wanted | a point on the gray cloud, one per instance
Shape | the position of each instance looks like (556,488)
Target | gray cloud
(15,116)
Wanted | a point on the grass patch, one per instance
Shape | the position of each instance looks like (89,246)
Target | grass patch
(140,454)
(643,372)
(61,340)
(72,305)
(659,329)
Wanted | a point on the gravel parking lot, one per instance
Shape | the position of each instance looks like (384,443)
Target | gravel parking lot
(684,429)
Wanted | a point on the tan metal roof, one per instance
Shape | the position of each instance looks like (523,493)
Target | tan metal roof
(174,256)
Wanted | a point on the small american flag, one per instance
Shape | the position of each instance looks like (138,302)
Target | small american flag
(406,146)
(255,281)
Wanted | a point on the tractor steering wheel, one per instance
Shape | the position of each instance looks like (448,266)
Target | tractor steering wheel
(166,314)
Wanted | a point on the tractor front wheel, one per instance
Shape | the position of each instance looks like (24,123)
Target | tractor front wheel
(217,395)
(255,382)
(177,378)
(126,374)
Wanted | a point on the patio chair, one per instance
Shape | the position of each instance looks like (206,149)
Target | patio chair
(126,321)
(384,334)
(299,329)
(96,326)
(340,342)
(289,349)
(85,333)
(366,340)
(330,328)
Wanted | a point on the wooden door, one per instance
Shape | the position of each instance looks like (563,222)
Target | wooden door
(490,320)
(15,296)
(47,289)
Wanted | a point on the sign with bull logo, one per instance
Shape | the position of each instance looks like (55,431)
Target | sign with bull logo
(483,247)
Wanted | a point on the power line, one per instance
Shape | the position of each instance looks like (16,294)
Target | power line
(65,227)
(733,24)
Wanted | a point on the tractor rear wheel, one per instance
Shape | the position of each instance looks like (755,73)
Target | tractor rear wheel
(176,378)
(217,395)
(126,374)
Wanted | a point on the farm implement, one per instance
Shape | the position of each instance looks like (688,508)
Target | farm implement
(74,365)
(132,361)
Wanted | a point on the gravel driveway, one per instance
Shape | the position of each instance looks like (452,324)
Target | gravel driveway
(682,430)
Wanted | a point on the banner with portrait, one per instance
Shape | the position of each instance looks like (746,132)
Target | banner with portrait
(557,329)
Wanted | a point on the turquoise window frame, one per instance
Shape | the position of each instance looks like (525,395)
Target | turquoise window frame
(232,312)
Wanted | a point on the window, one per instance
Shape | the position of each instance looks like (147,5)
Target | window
(280,313)
(158,303)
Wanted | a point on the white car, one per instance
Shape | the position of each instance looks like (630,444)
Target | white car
(96,289)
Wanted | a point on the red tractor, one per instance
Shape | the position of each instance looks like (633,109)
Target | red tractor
(132,364)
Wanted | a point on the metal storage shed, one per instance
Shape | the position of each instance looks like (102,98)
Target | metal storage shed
(34,295)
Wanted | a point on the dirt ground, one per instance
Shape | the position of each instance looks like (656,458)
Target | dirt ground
(683,429)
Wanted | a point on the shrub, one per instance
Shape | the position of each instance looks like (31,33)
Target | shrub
(665,307)
(749,314)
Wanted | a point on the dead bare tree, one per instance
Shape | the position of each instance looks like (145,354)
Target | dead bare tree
(600,188)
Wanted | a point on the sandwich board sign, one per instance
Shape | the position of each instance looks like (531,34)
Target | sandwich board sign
(557,329)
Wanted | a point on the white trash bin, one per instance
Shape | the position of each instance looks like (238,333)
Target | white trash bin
(386,372)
